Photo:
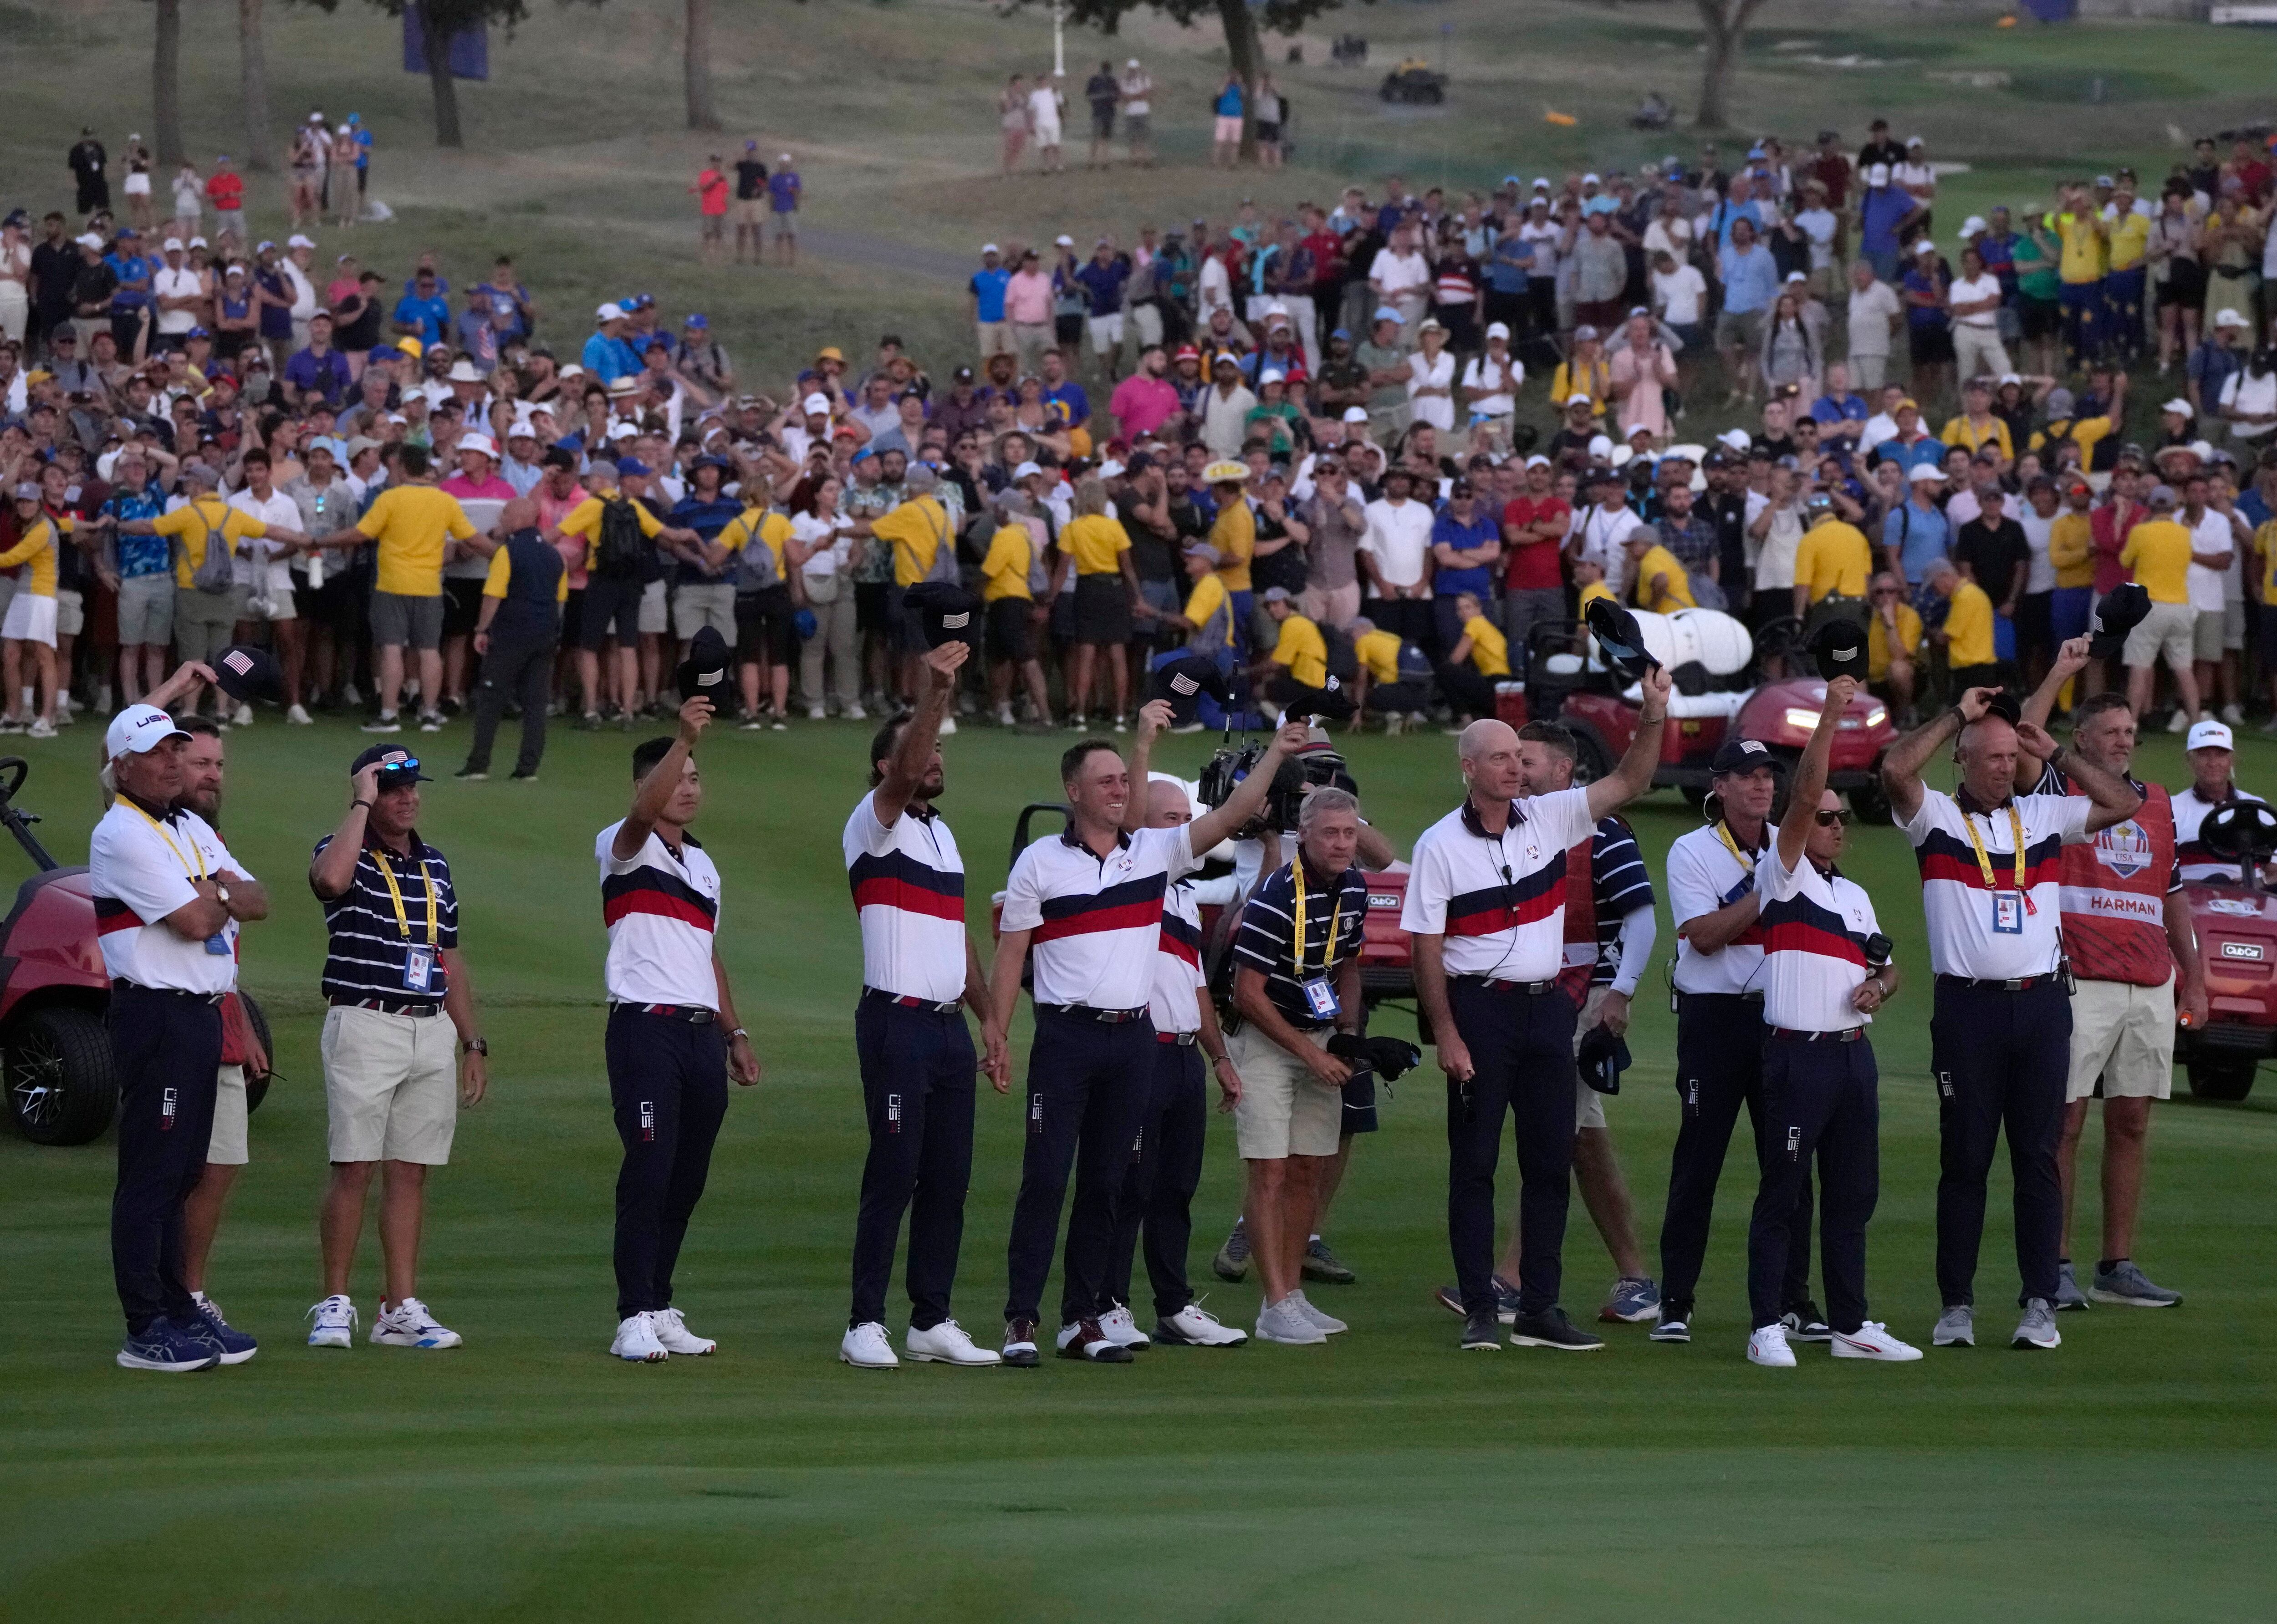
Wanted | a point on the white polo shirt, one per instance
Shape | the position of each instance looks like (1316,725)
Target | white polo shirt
(1991,932)
(1601,534)
(2193,862)
(1814,928)
(909,894)
(1398,538)
(1096,921)
(1175,1003)
(662,910)
(1703,875)
(143,869)
(1499,901)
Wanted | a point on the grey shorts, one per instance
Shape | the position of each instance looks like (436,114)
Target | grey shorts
(71,611)
(403,622)
(652,615)
(1741,329)
(711,603)
(205,621)
(146,610)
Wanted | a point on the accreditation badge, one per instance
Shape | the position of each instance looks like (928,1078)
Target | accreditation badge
(418,968)
(2008,913)
(1321,997)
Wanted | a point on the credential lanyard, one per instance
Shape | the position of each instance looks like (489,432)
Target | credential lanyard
(1336,920)
(395,894)
(1746,859)
(1984,860)
(200,870)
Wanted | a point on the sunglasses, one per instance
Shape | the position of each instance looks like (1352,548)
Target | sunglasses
(1827,820)
(396,769)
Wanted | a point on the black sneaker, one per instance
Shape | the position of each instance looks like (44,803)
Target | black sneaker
(1482,1334)
(1674,1325)
(1551,1329)
(1505,1298)
(1805,1324)
(472,775)
(1020,1344)
(519,777)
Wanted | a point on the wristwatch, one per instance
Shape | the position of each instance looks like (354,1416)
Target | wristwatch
(221,891)
(740,1032)
(476,1046)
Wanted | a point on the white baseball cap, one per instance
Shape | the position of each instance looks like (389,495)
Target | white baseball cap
(610,313)
(2222,318)
(2206,735)
(145,727)
(814,404)
(296,241)
(2179,404)
(1498,330)
(1927,474)
(1355,414)
(990,247)
(481,443)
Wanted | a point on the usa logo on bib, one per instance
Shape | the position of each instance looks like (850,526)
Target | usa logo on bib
(2124,848)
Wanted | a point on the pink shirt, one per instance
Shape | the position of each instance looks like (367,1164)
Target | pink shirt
(491,489)
(550,512)
(1141,405)
(1028,297)
(1643,406)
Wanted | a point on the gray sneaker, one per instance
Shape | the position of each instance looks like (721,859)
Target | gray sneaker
(2037,1328)
(1956,1327)
(1328,1323)
(1232,1260)
(1632,1301)
(1285,1322)
(1323,1264)
(2125,1284)
(2069,1298)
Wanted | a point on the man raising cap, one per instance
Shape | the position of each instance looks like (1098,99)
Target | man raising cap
(169,902)
(916,1052)
(2000,1030)
(669,1002)
(2128,938)
(1090,902)
(1715,897)
(1486,905)
(393,1082)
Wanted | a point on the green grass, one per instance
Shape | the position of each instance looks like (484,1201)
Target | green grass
(528,1476)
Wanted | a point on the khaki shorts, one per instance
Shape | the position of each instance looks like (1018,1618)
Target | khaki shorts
(229,1147)
(71,612)
(2206,635)
(748,210)
(653,616)
(1282,1111)
(2163,632)
(146,610)
(703,604)
(1588,1104)
(2123,1036)
(391,1086)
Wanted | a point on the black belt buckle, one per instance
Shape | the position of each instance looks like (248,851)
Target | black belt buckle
(694,1014)
(1104,1017)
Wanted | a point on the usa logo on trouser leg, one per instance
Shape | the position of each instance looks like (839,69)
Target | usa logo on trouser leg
(892,1113)
(166,1112)
(1036,1113)
(1793,1143)
(648,1120)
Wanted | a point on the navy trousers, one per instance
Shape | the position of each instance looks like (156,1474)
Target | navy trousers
(168,1050)
(1719,1067)
(1821,1098)
(1088,1085)
(2000,1059)
(1521,1049)
(668,1091)
(917,1069)
(1158,1190)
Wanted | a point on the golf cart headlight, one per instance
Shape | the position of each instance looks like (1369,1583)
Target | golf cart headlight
(1878,714)
(1800,720)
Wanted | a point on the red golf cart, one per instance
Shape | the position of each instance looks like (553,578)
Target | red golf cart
(2236,923)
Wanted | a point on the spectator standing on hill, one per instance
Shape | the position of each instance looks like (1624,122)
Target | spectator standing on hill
(750,196)
(711,190)
(785,190)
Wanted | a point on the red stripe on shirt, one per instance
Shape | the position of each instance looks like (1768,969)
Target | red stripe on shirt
(1130,917)
(660,905)
(887,892)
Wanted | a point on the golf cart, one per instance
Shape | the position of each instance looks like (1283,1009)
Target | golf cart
(61,1086)
(1413,81)
(2237,925)
(1720,691)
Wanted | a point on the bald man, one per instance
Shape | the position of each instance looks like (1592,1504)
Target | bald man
(517,634)
(1485,906)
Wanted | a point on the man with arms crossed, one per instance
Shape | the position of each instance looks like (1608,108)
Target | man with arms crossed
(2128,934)
(1486,906)
(1090,902)
(916,1059)
(2000,1030)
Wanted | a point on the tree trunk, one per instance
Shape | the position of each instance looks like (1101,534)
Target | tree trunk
(1725,24)
(1241,54)
(438,76)
(703,112)
(253,85)
(166,86)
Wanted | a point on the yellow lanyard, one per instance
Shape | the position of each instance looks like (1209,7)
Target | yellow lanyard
(395,891)
(1746,859)
(1336,921)
(1984,861)
(199,871)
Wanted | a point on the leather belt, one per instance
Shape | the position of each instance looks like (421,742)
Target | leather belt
(1105,1017)
(904,1002)
(695,1014)
(2015,984)
(1532,989)
(123,985)
(1184,1040)
(417,1011)
(1744,998)
(1847,1034)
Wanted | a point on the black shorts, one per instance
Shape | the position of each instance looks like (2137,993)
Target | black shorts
(2043,318)
(2184,284)
(463,606)
(612,601)
(1267,132)
(1929,345)
(1008,630)
(869,606)
(573,617)
(765,634)
(1359,1103)
(1103,121)
(1068,328)
(1102,610)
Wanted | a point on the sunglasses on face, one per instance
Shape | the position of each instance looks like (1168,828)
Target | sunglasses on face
(1828,820)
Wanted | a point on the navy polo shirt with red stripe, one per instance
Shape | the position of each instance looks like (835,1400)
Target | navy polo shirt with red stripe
(661,905)
(908,881)
(1814,924)
(1096,921)
(1988,932)
(1499,901)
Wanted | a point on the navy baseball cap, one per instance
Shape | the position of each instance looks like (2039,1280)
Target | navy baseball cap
(397,765)
(1744,756)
